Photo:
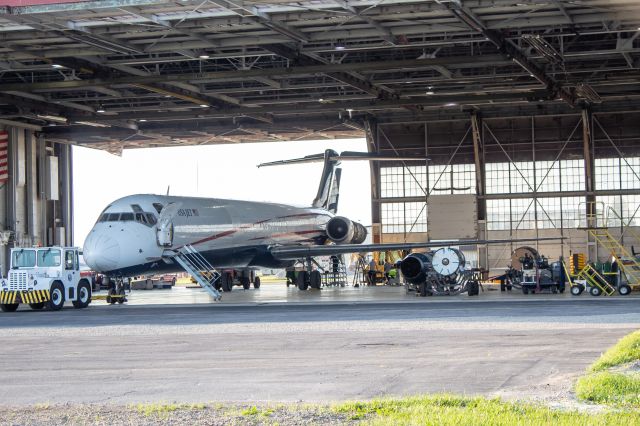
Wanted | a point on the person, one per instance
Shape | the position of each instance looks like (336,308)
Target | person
(372,272)
(387,268)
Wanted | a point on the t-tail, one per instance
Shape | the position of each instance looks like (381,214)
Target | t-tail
(329,188)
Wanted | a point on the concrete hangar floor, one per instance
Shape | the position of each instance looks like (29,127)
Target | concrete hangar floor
(279,344)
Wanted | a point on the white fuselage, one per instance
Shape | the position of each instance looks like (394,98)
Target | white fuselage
(128,238)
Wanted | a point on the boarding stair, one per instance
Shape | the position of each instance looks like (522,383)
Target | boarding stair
(199,268)
(627,263)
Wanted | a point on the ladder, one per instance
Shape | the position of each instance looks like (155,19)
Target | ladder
(336,275)
(595,279)
(199,268)
(627,263)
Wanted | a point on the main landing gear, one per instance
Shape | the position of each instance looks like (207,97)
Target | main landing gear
(309,278)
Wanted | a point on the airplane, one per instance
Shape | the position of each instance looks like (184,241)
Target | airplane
(141,234)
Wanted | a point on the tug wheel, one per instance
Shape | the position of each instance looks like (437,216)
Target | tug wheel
(9,307)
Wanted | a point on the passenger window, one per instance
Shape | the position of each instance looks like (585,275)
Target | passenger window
(126,217)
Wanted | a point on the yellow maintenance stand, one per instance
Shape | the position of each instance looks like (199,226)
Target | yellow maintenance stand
(627,266)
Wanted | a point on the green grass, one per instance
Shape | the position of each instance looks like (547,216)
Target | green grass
(617,388)
(453,410)
(610,388)
(163,409)
(626,350)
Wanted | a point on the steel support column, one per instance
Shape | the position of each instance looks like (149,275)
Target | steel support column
(589,166)
(481,204)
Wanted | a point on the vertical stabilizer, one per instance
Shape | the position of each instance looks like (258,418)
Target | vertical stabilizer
(329,189)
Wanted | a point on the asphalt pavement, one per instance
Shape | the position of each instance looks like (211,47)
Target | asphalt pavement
(123,354)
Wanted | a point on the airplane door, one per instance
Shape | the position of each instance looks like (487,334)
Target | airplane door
(164,229)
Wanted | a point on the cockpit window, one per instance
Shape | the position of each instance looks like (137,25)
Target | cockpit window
(136,208)
(113,217)
(151,219)
(126,217)
(158,207)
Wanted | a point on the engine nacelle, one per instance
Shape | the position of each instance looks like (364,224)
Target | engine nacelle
(447,261)
(414,267)
(341,230)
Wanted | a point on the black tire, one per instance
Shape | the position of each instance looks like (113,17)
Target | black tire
(525,290)
(218,285)
(595,291)
(246,284)
(256,283)
(57,296)
(173,281)
(624,290)
(509,287)
(84,295)
(9,307)
(227,282)
(302,280)
(315,280)
(473,288)
(503,287)
(576,290)
(36,306)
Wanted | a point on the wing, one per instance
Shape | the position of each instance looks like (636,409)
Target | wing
(300,252)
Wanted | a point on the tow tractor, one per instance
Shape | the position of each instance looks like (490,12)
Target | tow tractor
(44,277)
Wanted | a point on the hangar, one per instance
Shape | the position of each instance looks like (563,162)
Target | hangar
(529,107)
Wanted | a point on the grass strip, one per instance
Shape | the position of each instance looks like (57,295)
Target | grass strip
(445,409)
(626,350)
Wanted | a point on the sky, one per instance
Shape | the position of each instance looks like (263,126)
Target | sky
(216,171)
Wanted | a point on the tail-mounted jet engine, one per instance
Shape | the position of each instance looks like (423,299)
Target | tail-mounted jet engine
(341,230)
(439,272)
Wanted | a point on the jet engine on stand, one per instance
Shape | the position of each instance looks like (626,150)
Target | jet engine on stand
(441,272)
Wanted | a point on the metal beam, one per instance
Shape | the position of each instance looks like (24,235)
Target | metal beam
(398,65)
(511,51)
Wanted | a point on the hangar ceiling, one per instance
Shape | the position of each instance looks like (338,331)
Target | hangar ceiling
(117,74)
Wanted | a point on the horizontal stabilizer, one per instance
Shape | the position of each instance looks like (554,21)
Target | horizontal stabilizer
(344,156)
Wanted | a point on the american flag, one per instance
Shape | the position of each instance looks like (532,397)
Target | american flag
(4,168)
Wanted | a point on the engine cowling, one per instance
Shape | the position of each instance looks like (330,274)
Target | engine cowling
(415,266)
(447,261)
(341,230)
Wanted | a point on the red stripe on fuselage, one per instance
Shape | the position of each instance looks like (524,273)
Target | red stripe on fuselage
(234,230)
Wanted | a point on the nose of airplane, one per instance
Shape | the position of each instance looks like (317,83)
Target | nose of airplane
(101,252)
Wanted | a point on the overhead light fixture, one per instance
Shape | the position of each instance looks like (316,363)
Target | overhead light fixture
(349,110)
(203,56)
(321,100)
(142,120)
(450,104)
(56,118)
(204,106)
(339,45)
(57,66)
(100,109)
(430,92)
(585,91)
(92,124)
(543,47)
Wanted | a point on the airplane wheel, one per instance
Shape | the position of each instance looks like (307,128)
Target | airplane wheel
(9,307)
(227,282)
(246,284)
(315,280)
(302,280)
(624,290)
(595,291)
(36,306)
(256,282)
